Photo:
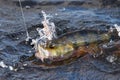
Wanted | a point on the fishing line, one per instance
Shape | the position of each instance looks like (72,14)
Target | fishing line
(23,16)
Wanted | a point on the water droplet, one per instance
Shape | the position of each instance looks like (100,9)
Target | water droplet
(3,65)
(24,64)
(11,68)
(27,7)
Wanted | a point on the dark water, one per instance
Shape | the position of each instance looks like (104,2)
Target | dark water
(71,15)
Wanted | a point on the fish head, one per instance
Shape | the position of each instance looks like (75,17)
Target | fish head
(53,51)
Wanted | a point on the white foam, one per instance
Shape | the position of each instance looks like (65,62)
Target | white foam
(56,14)
(49,27)
(118,29)
(64,9)
(25,64)
(11,68)
(3,65)
(47,33)
(111,58)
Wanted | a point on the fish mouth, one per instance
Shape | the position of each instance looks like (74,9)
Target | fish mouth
(41,56)
(53,62)
(56,61)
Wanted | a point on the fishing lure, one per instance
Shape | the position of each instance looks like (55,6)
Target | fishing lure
(75,44)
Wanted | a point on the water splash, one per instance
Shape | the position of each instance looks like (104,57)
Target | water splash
(118,29)
(49,28)
(46,35)
(3,65)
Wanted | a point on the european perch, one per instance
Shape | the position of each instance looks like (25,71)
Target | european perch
(76,44)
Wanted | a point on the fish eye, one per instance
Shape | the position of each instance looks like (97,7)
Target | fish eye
(52,46)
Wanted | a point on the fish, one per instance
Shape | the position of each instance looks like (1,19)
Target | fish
(75,44)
